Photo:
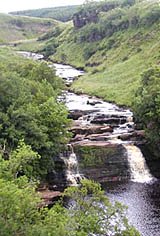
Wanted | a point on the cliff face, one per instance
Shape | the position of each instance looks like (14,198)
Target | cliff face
(103,162)
(90,14)
(83,18)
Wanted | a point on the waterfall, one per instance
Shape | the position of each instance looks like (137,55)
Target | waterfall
(72,173)
(139,170)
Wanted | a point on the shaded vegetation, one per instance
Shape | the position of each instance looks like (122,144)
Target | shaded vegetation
(147,107)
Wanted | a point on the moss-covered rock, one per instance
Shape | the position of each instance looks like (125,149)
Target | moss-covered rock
(103,162)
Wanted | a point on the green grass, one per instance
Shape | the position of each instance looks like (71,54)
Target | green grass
(113,72)
(14,28)
(118,75)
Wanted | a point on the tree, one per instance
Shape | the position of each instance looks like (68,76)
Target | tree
(22,162)
(147,106)
(29,110)
(92,213)
(18,208)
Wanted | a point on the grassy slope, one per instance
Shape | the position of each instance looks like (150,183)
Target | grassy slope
(117,79)
(15,28)
(117,74)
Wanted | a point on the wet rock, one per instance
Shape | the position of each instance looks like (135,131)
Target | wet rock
(57,178)
(98,137)
(78,137)
(111,121)
(102,161)
(75,115)
(91,129)
(93,102)
(89,143)
(138,135)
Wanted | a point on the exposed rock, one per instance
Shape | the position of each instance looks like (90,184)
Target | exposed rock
(82,18)
(76,114)
(49,197)
(111,121)
(95,144)
(138,135)
(93,102)
(102,161)
(98,137)
(57,178)
(78,137)
(91,129)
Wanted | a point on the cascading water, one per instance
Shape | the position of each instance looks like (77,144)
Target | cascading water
(72,173)
(95,108)
(138,167)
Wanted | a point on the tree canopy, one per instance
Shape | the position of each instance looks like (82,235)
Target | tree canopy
(29,109)
(147,106)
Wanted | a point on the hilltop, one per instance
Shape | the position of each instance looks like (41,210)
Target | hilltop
(15,28)
(63,13)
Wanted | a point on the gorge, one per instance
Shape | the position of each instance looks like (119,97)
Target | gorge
(104,149)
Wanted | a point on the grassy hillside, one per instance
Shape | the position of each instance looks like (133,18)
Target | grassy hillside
(63,13)
(120,43)
(15,28)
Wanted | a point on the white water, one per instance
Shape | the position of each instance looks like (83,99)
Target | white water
(72,173)
(138,167)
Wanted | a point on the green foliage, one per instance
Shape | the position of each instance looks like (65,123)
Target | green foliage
(92,212)
(22,161)
(147,106)
(29,110)
(54,33)
(49,48)
(18,208)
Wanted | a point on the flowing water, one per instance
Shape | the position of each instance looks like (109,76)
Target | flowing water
(142,192)
(73,176)
(139,170)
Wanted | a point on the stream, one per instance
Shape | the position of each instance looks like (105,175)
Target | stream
(141,193)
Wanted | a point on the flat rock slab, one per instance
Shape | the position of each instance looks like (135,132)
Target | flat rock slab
(96,144)
(49,197)
(90,129)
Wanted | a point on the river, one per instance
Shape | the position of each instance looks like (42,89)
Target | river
(141,197)
(142,192)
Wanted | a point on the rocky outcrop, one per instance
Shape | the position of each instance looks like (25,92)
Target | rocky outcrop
(102,161)
(82,18)
(90,14)
(49,197)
